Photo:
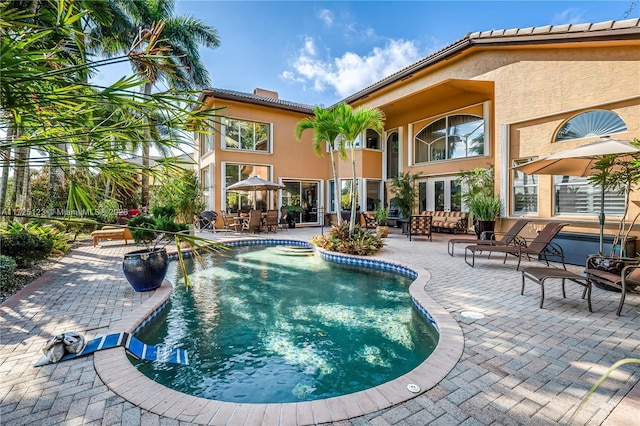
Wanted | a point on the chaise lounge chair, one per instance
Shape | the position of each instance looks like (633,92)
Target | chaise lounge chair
(619,274)
(508,238)
(541,246)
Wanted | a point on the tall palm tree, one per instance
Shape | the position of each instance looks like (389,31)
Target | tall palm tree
(178,62)
(351,124)
(324,124)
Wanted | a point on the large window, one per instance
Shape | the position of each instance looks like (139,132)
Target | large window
(331,202)
(236,201)
(372,139)
(205,179)
(591,123)
(393,155)
(525,190)
(246,135)
(374,197)
(345,194)
(576,196)
(454,136)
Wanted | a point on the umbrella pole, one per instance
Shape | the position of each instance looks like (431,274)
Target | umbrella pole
(601,220)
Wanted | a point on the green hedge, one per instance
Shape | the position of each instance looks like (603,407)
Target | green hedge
(7,275)
(25,248)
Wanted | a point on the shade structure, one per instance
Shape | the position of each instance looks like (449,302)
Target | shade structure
(255,184)
(579,161)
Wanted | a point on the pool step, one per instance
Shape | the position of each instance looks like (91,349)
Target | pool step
(296,250)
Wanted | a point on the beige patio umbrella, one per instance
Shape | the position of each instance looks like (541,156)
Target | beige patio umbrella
(255,184)
(579,161)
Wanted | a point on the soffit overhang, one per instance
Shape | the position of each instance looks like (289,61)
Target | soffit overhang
(479,90)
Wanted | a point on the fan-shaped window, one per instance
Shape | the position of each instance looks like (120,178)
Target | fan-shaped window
(591,123)
(455,136)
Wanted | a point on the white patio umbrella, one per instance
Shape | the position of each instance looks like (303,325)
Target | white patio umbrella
(255,184)
(579,161)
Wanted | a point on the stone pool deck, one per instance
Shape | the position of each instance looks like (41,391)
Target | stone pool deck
(520,364)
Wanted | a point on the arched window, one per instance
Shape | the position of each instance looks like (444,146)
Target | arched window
(591,123)
(454,136)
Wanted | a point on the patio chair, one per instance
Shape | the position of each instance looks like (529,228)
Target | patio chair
(230,223)
(253,222)
(508,238)
(614,273)
(369,220)
(282,221)
(271,220)
(420,225)
(541,246)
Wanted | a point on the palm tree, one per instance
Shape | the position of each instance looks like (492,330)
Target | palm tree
(325,127)
(351,124)
(179,61)
(44,100)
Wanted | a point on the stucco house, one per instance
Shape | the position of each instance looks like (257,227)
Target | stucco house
(496,98)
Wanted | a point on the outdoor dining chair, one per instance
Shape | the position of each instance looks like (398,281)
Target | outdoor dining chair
(540,246)
(230,223)
(271,220)
(508,238)
(253,222)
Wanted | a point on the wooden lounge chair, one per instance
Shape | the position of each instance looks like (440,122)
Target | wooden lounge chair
(621,274)
(539,246)
(111,233)
(508,238)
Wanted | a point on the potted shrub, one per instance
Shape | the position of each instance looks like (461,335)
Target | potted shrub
(404,196)
(290,218)
(382,230)
(484,209)
(145,269)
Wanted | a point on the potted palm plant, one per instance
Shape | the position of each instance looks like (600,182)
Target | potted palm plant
(145,269)
(484,209)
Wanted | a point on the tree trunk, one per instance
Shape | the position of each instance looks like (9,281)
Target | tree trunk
(144,195)
(5,163)
(56,175)
(352,222)
(336,193)
(20,195)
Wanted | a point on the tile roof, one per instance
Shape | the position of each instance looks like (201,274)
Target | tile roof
(258,100)
(629,28)
(544,34)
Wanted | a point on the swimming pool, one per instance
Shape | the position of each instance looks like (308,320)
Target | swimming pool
(253,337)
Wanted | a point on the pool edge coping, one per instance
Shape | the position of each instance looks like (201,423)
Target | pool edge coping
(120,376)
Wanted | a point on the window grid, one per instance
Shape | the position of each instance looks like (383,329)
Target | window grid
(525,190)
(246,135)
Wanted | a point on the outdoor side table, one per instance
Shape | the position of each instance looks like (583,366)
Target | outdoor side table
(539,274)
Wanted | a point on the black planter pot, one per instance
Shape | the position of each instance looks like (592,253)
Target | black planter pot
(485,229)
(145,269)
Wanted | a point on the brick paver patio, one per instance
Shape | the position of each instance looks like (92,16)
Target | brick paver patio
(520,365)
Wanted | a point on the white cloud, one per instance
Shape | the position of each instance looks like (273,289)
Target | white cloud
(569,16)
(326,16)
(350,72)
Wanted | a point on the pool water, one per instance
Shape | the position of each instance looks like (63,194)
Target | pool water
(264,327)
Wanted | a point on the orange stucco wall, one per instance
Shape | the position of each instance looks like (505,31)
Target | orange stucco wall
(529,90)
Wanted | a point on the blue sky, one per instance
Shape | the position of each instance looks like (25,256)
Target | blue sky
(319,52)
